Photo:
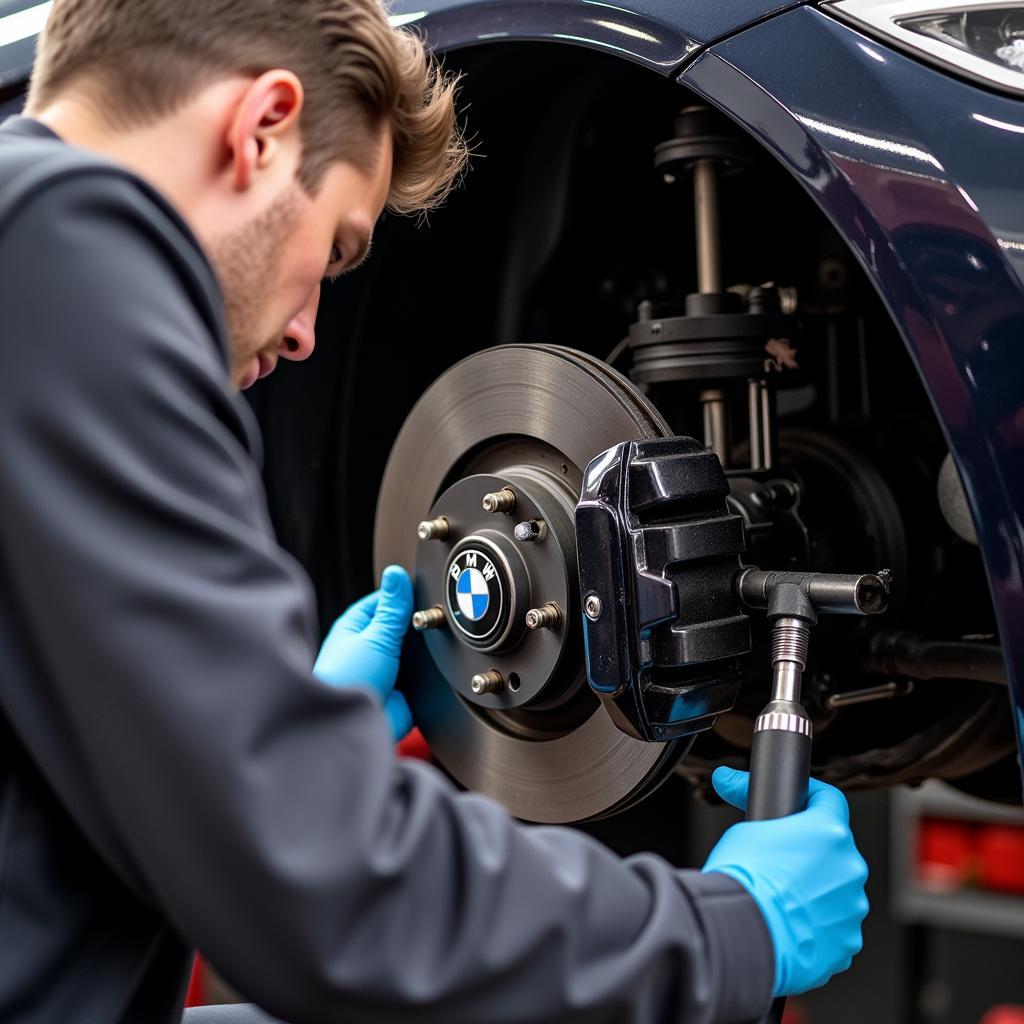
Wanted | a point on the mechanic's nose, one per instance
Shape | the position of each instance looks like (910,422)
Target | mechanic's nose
(300,334)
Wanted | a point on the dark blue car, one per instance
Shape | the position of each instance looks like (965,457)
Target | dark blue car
(794,231)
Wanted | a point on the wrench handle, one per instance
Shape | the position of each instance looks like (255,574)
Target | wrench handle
(780,771)
(780,767)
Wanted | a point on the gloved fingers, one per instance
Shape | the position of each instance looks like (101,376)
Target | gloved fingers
(863,907)
(396,707)
(394,609)
(357,617)
(826,799)
(844,965)
(732,786)
(863,874)
(822,979)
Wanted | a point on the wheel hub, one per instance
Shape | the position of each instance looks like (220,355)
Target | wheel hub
(487,581)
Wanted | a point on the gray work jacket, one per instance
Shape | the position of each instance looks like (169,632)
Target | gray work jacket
(172,775)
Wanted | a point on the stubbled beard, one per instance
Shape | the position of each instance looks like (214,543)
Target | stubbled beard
(246,262)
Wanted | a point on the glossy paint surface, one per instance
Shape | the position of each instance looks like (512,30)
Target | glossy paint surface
(20,21)
(658,33)
(922,174)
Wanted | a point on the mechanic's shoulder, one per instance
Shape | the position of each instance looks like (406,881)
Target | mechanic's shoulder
(78,205)
(107,280)
(52,182)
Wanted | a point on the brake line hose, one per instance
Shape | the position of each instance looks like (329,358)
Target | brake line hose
(914,656)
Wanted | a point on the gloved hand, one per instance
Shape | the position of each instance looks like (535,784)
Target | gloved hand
(807,877)
(364,645)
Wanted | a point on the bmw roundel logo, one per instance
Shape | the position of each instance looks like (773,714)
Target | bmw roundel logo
(473,594)
(476,593)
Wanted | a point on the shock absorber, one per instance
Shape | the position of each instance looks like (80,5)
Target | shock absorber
(719,343)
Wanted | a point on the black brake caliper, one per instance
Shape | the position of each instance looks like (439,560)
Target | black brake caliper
(659,553)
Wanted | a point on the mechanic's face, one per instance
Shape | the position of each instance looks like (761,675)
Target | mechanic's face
(271,268)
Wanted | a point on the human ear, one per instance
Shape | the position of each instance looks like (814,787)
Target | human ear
(266,112)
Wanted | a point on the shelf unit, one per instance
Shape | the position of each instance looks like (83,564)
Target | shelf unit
(970,910)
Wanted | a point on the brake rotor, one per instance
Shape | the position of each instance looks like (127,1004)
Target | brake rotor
(520,421)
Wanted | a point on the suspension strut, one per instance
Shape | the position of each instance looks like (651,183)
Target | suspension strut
(723,346)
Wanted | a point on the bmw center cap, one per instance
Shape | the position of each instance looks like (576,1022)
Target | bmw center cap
(477,594)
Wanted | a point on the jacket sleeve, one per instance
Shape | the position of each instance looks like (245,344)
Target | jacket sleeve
(173,709)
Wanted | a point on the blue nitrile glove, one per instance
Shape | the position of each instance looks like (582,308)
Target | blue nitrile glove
(364,645)
(807,877)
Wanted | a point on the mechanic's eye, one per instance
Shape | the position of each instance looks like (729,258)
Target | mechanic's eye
(336,254)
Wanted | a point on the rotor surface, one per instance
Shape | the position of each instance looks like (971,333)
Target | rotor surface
(534,416)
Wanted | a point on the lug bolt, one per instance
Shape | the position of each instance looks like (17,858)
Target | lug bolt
(487,682)
(534,529)
(434,529)
(593,607)
(548,617)
(431,618)
(500,501)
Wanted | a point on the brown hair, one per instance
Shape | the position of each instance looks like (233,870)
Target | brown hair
(151,56)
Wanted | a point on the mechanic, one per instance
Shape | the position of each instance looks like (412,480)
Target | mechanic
(174,772)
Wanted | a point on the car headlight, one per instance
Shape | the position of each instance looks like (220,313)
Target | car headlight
(982,40)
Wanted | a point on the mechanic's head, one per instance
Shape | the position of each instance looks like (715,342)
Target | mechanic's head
(279,128)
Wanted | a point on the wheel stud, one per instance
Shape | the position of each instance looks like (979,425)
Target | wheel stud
(487,682)
(434,529)
(500,501)
(534,529)
(548,617)
(431,618)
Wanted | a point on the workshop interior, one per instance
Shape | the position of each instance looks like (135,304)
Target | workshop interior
(695,413)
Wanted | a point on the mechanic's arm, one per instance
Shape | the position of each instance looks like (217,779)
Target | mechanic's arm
(174,711)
